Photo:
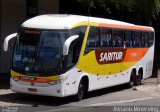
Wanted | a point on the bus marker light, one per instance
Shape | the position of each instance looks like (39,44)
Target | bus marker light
(74,82)
(58,90)
(32,90)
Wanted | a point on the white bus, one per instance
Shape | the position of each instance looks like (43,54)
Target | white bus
(63,55)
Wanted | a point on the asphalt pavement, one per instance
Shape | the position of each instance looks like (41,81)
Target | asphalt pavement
(96,101)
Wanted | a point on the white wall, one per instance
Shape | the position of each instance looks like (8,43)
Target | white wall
(12,16)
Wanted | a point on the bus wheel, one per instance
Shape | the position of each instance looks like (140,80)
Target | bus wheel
(138,79)
(132,80)
(81,91)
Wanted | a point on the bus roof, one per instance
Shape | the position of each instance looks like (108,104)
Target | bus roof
(63,21)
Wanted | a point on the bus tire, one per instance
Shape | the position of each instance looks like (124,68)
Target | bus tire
(81,91)
(138,79)
(132,79)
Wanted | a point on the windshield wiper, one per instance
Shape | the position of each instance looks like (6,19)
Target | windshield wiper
(42,65)
(60,62)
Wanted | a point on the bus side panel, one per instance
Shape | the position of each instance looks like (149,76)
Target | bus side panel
(105,75)
(149,62)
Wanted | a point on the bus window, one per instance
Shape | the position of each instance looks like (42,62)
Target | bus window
(106,35)
(79,31)
(75,47)
(144,39)
(72,57)
(117,38)
(138,39)
(150,38)
(128,40)
(93,41)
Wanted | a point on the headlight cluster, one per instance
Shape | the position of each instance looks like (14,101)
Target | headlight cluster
(61,80)
(15,78)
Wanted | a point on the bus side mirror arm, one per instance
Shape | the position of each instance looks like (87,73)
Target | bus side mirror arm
(68,43)
(6,41)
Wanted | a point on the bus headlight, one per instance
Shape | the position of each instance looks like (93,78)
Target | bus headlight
(15,78)
(61,80)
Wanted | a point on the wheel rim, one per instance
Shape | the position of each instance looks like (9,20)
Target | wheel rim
(132,79)
(138,81)
(81,91)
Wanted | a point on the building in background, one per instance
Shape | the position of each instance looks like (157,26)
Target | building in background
(12,14)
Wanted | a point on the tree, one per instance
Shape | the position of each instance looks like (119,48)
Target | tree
(136,11)
(146,10)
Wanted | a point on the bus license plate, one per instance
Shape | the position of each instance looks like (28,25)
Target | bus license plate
(32,90)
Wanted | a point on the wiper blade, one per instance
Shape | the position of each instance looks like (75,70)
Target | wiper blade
(42,65)
(60,63)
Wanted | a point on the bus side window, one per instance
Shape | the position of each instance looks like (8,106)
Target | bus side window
(73,54)
(105,35)
(93,41)
(144,39)
(150,38)
(138,39)
(75,47)
(70,62)
(81,31)
(128,40)
(117,38)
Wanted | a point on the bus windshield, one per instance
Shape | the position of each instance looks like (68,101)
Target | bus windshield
(39,52)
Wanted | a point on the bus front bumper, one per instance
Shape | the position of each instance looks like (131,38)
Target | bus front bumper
(52,90)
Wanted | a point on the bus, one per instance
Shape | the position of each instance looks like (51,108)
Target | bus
(69,55)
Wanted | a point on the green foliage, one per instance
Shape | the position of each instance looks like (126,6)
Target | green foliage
(145,10)
(137,11)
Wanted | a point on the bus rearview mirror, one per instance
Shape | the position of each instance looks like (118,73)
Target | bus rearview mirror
(68,43)
(6,41)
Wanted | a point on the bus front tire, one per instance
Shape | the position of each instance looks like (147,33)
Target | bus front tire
(81,91)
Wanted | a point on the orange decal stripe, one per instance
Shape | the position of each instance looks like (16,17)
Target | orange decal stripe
(134,54)
(39,79)
(129,27)
(33,79)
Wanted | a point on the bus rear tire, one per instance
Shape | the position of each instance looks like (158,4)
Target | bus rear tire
(81,91)
(132,79)
(138,79)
